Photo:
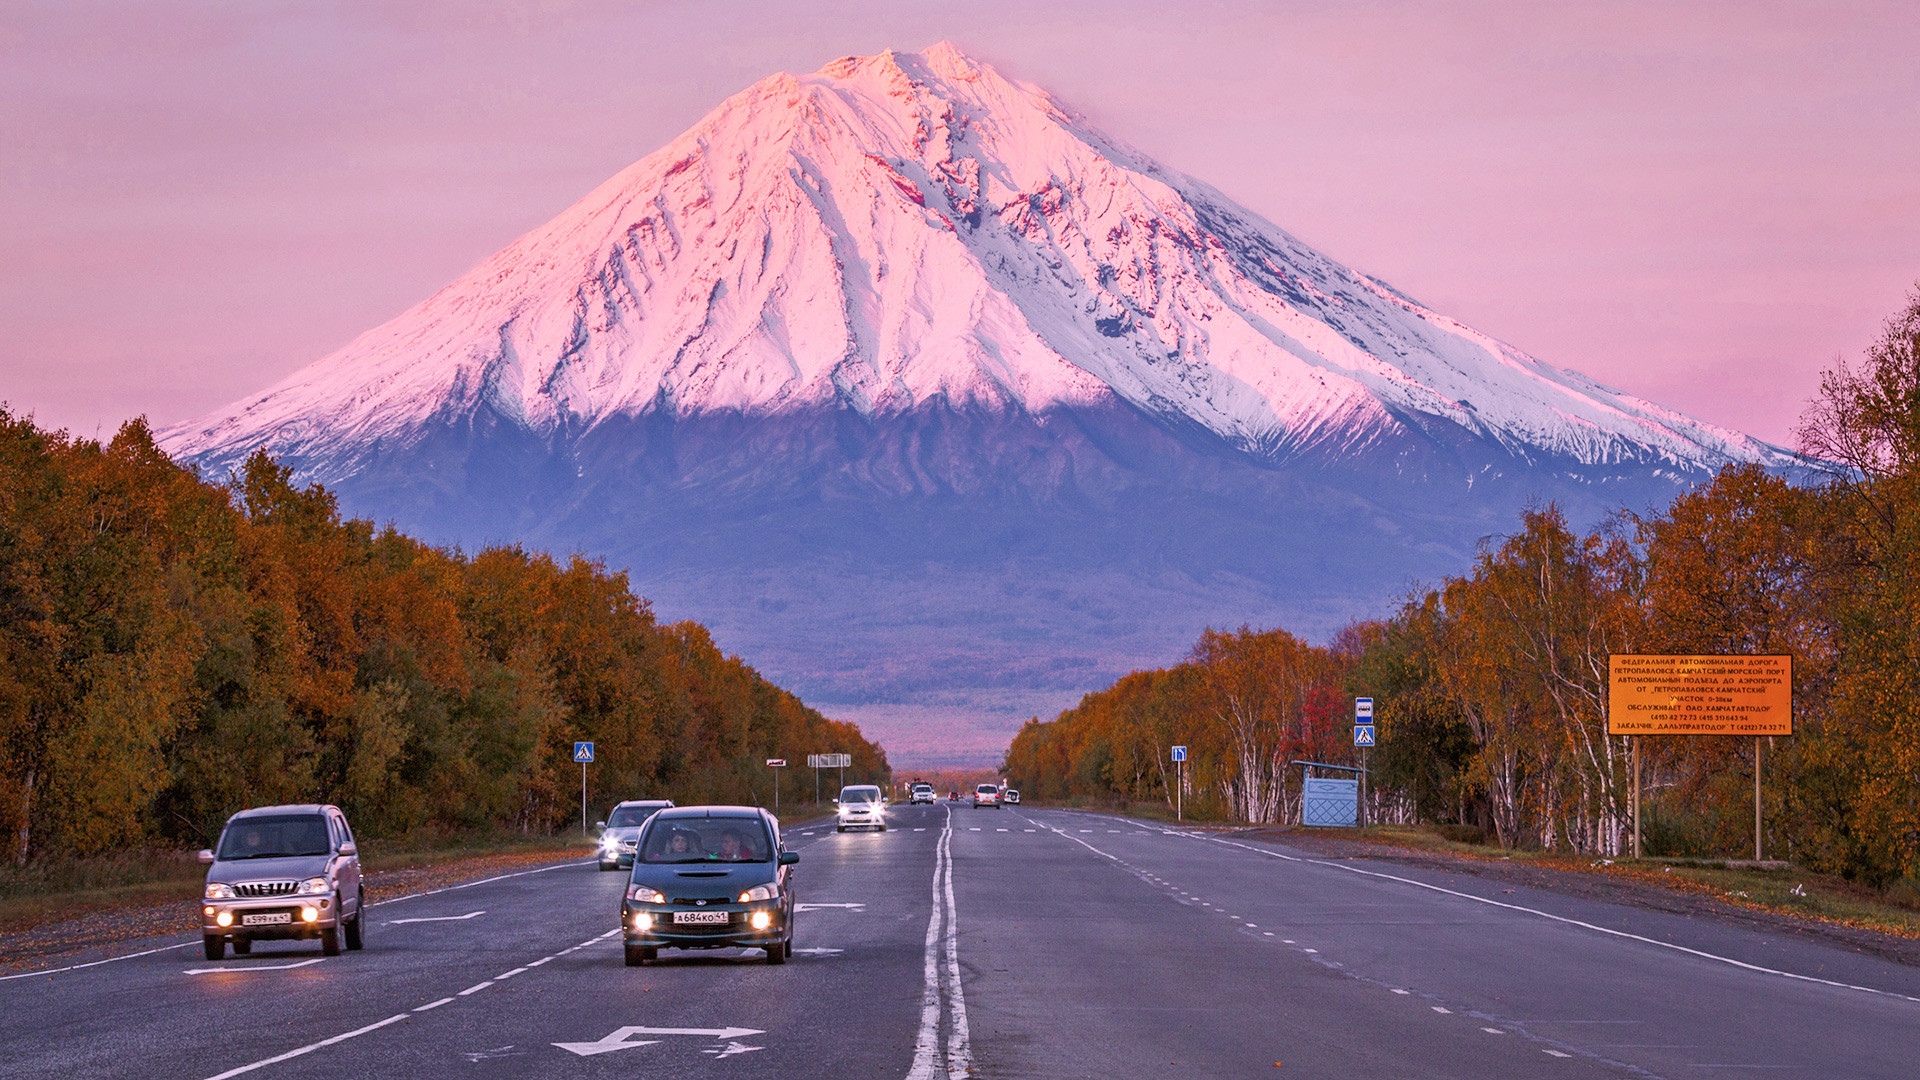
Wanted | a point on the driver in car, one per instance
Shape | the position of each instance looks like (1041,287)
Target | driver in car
(732,847)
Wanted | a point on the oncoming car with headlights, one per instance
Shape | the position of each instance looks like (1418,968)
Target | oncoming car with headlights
(861,807)
(282,872)
(709,877)
(621,831)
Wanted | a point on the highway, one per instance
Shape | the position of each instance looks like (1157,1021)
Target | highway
(1017,942)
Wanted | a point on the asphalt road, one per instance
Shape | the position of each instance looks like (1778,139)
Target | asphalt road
(998,943)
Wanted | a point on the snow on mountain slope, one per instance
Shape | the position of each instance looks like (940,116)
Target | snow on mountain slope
(902,229)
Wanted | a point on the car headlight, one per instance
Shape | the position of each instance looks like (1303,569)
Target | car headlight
(609,843)
(217,891)
(313,885)
(760,892)
(640,894)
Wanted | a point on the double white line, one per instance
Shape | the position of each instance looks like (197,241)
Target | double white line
(942,967)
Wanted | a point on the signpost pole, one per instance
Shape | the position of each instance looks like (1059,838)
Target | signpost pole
(1180,796)
(583,798)
(1756,798)
(1636,796)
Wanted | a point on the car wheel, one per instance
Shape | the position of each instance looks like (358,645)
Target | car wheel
(242,947)
(330,941)
(839,828)
(787,947)
(637,955)
(609,866)
(777,954)
(883,828)
(216,946)
(356,933)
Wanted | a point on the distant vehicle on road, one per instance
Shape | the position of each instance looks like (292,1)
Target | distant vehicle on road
(922,793)
(282,872)
(1010,796)
(986,795)
(861,807)
(709,877)
(953,796)
(621,831)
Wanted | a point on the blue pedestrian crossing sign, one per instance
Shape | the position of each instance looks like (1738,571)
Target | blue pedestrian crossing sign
(583,752)
(1363,734)
(1179,753)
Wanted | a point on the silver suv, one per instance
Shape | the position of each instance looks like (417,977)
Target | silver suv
(283,872)
(621,831)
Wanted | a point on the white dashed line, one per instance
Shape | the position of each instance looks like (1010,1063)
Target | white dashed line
(432,1005)
(476,988)
(1493,1031)
(1397,990)
(510,974)
(1558,1054)
(1443,1009)
(309,1048)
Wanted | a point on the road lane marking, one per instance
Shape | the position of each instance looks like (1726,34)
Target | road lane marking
(436,918)
(510,974)
(839,907)
(476,988)
(470,884)
(818,951)
(622,1038)
(254,967)
(1443,1009)
(1493,1031)
(432,1004)
(1397,990)
(96,963)
(942,980)
(1558,1054)
(309,1048)
(1611,932)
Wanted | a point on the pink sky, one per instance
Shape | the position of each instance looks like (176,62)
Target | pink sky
(1703,203)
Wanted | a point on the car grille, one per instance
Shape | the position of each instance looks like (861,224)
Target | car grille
(266,888)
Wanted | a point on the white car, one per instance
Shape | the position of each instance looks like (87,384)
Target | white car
(922,793)
(987,795)
(861,807)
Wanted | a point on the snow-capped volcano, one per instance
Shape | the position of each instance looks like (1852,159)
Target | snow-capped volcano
(927,396)
(905,229)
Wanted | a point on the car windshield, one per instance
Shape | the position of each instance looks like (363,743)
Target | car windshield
(684,840)
(986,789)
(628,816)
(266,837)
(860,795)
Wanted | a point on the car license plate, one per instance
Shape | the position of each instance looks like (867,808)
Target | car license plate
(700,917)
(269,918)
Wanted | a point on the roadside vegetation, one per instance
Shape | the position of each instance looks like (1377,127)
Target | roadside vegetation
(1491,688)
(174,649)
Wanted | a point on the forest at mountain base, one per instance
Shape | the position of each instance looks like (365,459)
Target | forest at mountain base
(173,650)
(1490,689)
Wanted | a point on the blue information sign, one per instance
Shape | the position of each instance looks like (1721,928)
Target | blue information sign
(583,751)
(1179,753)
(1363,735)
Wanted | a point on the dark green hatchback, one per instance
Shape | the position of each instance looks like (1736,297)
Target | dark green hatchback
(709,877)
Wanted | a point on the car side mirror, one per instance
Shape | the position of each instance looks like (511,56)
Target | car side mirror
(206,857)
(349,848)
(836,802)
(600,825)
(788,858)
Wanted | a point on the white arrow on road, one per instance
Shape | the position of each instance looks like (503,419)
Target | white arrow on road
(733,1047)
(254,967)
(619,1040)
(439,918)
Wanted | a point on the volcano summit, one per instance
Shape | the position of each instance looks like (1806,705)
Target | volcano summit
(942,407)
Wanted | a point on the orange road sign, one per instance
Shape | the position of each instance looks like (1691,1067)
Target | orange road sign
(1700,695)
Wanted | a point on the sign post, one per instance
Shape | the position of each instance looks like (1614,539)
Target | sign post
(776,764)
(583,753)
(1180,791)
(1700,695)
(816,762)
(1362,738)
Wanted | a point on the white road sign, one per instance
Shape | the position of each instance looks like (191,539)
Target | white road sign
(830,761)
(1363,710)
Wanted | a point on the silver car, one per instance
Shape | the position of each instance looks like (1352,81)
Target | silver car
(621,831)
(283,872)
